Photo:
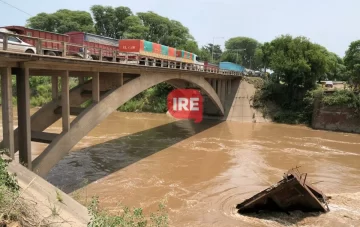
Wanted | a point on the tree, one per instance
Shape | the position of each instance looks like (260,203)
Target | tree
(62,21)
(164,31)
(109,21)
(204,55)
(134,29)
(297,61)
(210,48)
(243,48)
(352,62)
(190,46)
(265,55)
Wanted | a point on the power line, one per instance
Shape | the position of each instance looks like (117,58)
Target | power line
(16,8)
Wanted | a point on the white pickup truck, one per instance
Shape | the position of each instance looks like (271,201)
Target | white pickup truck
(15,44)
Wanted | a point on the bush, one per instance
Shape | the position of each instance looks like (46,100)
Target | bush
(7,180)
(291,106)
(9,190)
(128,218)
(346,98)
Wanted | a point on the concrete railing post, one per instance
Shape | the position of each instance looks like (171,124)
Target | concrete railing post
(39,46)
(5,41)
(63,54)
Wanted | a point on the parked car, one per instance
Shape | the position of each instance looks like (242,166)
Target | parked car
(16,44)
(329,84)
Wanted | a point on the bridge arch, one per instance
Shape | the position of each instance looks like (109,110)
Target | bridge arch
(97,112)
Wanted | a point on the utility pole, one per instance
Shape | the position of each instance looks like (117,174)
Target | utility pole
(212,48)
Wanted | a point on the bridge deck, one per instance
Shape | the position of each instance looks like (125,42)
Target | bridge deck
(53,63)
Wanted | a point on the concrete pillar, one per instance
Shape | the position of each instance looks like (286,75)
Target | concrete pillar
(23,106)
(65,101)
(7,111)
(213,84)
(81,80)
(223,91)
(218,88)
(121,79)
(95,88)
(55,87)
(229,86)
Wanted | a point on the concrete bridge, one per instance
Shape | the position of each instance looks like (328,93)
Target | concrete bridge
(108,85)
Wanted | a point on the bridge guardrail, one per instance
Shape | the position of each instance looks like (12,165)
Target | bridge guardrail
(123,57)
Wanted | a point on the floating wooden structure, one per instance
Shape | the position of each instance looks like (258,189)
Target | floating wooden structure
(289,194)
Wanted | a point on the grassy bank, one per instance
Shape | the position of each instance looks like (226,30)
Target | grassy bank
(13,208)
(295,105)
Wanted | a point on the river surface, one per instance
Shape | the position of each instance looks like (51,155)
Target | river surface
(202,171)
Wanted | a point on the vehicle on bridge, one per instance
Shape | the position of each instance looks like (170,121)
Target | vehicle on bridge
(231,67)
(48,48)
(15,44)
(97,47)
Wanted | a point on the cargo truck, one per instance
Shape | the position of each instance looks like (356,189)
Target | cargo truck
(48,48)
(93,43)
(229,66)
(147,49)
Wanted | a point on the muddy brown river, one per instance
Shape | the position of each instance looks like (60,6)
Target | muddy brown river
(202,171)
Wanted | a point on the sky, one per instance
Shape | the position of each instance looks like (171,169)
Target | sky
(331,23)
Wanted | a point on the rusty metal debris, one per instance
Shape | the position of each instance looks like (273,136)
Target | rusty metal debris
(289,194)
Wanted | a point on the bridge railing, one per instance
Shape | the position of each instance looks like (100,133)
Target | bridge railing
(102,54)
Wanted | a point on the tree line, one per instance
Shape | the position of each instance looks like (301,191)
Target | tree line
(296,62)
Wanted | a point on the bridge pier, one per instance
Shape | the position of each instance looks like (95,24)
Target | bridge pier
(23,107)
(55,87)
(7,111)
(65,101)
(95,88)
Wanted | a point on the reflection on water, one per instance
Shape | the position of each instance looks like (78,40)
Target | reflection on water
(204,170)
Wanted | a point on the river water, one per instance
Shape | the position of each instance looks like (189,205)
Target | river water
(202,171)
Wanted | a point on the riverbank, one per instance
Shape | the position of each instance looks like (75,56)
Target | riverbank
(336,110)
(31,201)
(28,200)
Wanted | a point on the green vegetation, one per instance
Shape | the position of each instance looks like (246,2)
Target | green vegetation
(297,63)
(288,95)
(127,218)
(343,98)
(150,100)
(9,192)
(40,89)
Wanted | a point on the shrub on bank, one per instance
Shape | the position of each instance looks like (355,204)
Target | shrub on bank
(128,218)
(284,104)
(274,100)
(9,190)
(346,98)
